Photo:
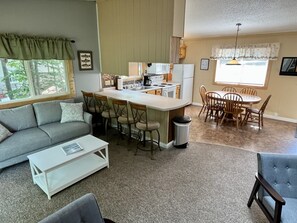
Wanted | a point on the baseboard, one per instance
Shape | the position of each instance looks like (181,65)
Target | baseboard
(135,131)
(279,118)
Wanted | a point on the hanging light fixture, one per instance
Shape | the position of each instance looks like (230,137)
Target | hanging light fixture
(234,61)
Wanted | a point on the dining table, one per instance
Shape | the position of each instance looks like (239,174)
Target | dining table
(246,98)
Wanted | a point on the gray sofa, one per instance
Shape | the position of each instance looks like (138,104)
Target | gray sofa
(36,127)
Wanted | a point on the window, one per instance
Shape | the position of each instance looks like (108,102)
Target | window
(251,72)
(32,79)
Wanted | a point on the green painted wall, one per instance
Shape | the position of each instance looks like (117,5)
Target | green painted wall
(134,31)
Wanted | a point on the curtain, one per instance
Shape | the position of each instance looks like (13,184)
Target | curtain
(22,47)
(252,51)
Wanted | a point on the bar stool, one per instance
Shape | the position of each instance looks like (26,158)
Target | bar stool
(143,125)
(120,108)
(89,102)
(90,105)
(104,109)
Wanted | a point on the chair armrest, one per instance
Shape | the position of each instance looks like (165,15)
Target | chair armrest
(88,119)
(279,201)
(273,193)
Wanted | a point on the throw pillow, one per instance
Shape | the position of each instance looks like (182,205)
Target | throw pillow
(4,133)
(72,112)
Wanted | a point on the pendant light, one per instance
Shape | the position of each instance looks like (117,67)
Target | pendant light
(234,61)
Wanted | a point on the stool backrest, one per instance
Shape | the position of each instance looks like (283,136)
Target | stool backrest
(101,103)
(120,107)
(89,101)
(139,112)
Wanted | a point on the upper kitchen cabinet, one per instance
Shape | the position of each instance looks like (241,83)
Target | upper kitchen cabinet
(179,18)
(137,31)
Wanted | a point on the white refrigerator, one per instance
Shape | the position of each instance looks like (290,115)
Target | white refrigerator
(184,74)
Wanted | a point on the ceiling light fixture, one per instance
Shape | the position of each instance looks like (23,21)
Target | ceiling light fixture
(234,61)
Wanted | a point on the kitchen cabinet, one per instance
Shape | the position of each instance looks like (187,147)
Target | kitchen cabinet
(151,92)
(160,109)
(159,92)
(177,92)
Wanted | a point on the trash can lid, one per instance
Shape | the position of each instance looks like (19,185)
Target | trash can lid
(182,119)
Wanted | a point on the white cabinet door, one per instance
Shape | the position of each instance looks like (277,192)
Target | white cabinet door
(187,90)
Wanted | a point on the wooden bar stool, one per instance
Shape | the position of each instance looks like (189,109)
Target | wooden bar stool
(105,110)
(120,108)
(143,125)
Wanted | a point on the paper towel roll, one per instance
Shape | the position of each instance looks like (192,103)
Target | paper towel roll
(120,84)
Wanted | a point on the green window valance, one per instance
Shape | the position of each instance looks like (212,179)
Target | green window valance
(21,47)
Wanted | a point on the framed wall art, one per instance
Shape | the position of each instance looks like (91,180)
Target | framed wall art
(289,66)
(204,64)
(85,60)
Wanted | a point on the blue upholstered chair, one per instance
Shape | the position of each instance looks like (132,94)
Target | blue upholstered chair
(275,189)
(84,209)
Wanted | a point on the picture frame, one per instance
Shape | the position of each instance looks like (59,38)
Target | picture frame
(204,64)
(85,60)
(288,66)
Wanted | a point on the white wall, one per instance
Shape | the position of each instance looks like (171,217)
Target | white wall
(71,19)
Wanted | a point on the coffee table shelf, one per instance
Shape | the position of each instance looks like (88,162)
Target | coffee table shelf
(53,176)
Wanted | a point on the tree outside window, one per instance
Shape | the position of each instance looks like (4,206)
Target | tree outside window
(22,79)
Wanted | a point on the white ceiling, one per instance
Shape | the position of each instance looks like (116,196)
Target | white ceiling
(210,18)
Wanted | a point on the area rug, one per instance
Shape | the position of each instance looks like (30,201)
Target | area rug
(203,183)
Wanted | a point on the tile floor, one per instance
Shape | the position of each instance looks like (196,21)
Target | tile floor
(276,136)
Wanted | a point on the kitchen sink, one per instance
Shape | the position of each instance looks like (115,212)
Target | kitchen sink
(142,88)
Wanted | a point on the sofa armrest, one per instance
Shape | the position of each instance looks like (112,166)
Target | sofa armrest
(88,119)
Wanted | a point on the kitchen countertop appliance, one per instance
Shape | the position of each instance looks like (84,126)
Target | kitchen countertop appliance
(147,80)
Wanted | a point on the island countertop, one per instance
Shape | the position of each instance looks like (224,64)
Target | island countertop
(152,101)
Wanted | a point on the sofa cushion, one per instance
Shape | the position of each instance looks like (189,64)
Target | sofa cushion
(4,133)
(22,142)
(288,210)
(59,132)
(16,119)
(49,111)
(72,112)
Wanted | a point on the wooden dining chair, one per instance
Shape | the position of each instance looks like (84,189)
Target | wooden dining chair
(229,89)
(233,107)
(256,115)
(203,98)
(248,90)
(214,106)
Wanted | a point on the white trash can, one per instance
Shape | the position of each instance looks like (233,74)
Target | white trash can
(181,131)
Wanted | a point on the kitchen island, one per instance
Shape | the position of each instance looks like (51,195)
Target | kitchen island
(161,109)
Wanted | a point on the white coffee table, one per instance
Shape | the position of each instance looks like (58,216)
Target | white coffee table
(52,170)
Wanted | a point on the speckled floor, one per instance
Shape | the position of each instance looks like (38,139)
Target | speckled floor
(276,136)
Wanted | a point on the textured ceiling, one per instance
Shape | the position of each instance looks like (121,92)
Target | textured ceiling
(209,18)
